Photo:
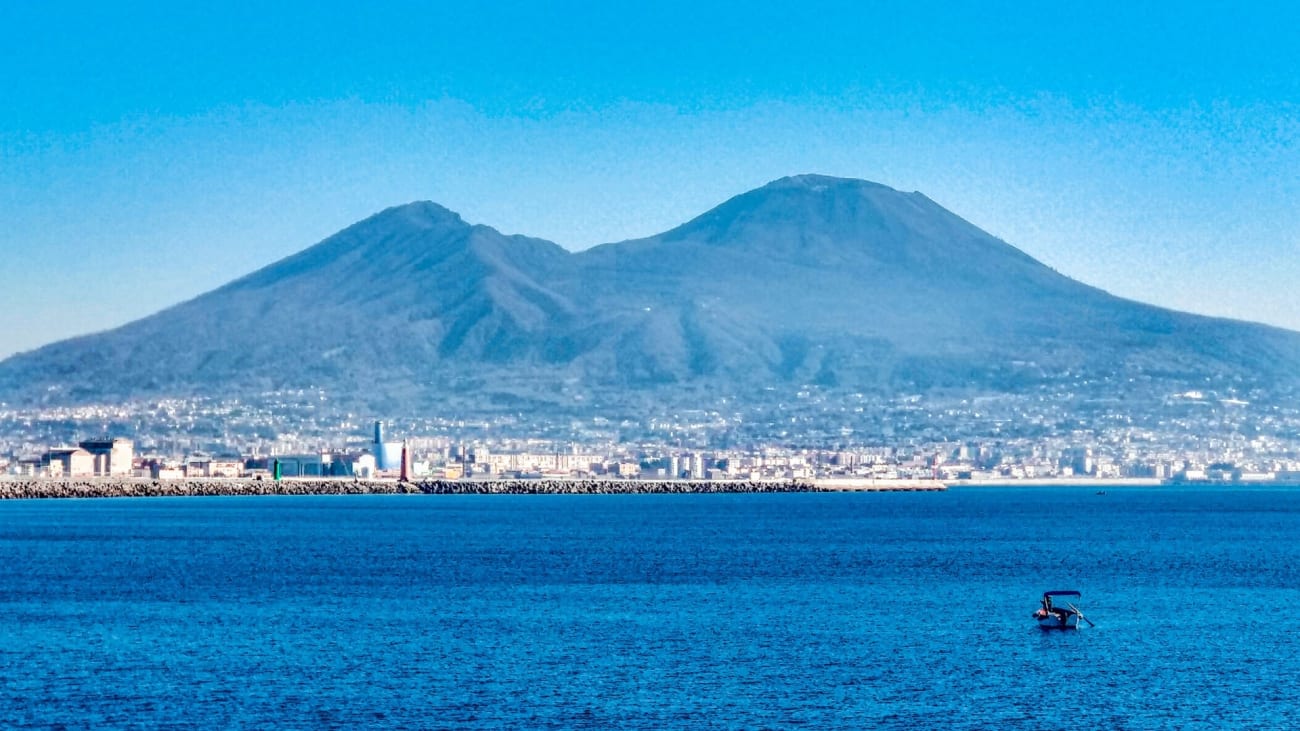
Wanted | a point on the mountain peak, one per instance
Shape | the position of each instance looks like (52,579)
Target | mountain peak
(825,215)
(423,214)
(390,238)
(821,183)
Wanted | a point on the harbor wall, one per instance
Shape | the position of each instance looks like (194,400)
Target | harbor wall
(29,488)
(1099,482)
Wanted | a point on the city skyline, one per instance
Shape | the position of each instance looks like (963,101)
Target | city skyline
(154,155)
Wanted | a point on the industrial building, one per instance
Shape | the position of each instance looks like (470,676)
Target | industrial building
(113,457)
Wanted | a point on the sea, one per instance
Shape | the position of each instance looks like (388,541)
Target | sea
(815,611)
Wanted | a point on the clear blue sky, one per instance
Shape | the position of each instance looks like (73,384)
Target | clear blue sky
(150,152)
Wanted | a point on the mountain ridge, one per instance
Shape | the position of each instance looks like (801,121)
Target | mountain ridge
(836,281)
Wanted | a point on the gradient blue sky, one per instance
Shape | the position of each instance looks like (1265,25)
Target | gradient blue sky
(150,152)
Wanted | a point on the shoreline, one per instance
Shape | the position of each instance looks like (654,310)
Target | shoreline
(27,488)
(1102,483)
(1095,482)
(112,487)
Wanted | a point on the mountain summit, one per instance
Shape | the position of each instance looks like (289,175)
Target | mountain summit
(809,279)
(819,216)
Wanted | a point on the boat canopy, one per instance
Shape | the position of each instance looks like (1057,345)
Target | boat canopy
(1061,593)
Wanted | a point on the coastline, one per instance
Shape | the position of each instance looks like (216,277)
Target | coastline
(28,488)
(1103,483)
(1096,482)
(105,487)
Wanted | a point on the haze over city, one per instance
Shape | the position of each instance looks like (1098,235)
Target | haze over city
(1150,152)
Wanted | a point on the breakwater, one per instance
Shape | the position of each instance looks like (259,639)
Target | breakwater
(122,487)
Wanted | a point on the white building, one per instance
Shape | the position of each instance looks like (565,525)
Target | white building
(113,457)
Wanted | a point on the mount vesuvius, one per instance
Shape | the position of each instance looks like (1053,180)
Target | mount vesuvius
(809,279)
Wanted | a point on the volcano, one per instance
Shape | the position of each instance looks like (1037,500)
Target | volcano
(809,279)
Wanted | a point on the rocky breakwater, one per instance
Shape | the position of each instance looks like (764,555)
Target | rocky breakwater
(115,487)
(109,487)
(607,487)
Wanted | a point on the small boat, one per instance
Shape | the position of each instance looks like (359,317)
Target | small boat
(1058,612)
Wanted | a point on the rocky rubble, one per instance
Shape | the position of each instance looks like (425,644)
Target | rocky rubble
(27,488)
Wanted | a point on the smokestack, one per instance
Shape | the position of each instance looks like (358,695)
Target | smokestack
(379,432)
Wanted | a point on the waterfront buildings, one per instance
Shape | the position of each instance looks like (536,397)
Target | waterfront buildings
(112,457)
(90,458)
(68,462)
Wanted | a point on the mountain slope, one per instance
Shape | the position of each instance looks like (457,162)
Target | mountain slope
(809,279)
(382,300)
(837,280)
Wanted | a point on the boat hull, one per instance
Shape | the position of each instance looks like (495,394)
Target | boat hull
(1055,621)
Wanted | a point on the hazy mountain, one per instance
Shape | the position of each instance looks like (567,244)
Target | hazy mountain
(845,281)
(807,279)
(380,302)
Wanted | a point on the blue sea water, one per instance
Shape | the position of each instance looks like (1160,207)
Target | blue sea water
(822,611)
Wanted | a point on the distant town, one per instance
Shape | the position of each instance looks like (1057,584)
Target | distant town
(1189,436)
